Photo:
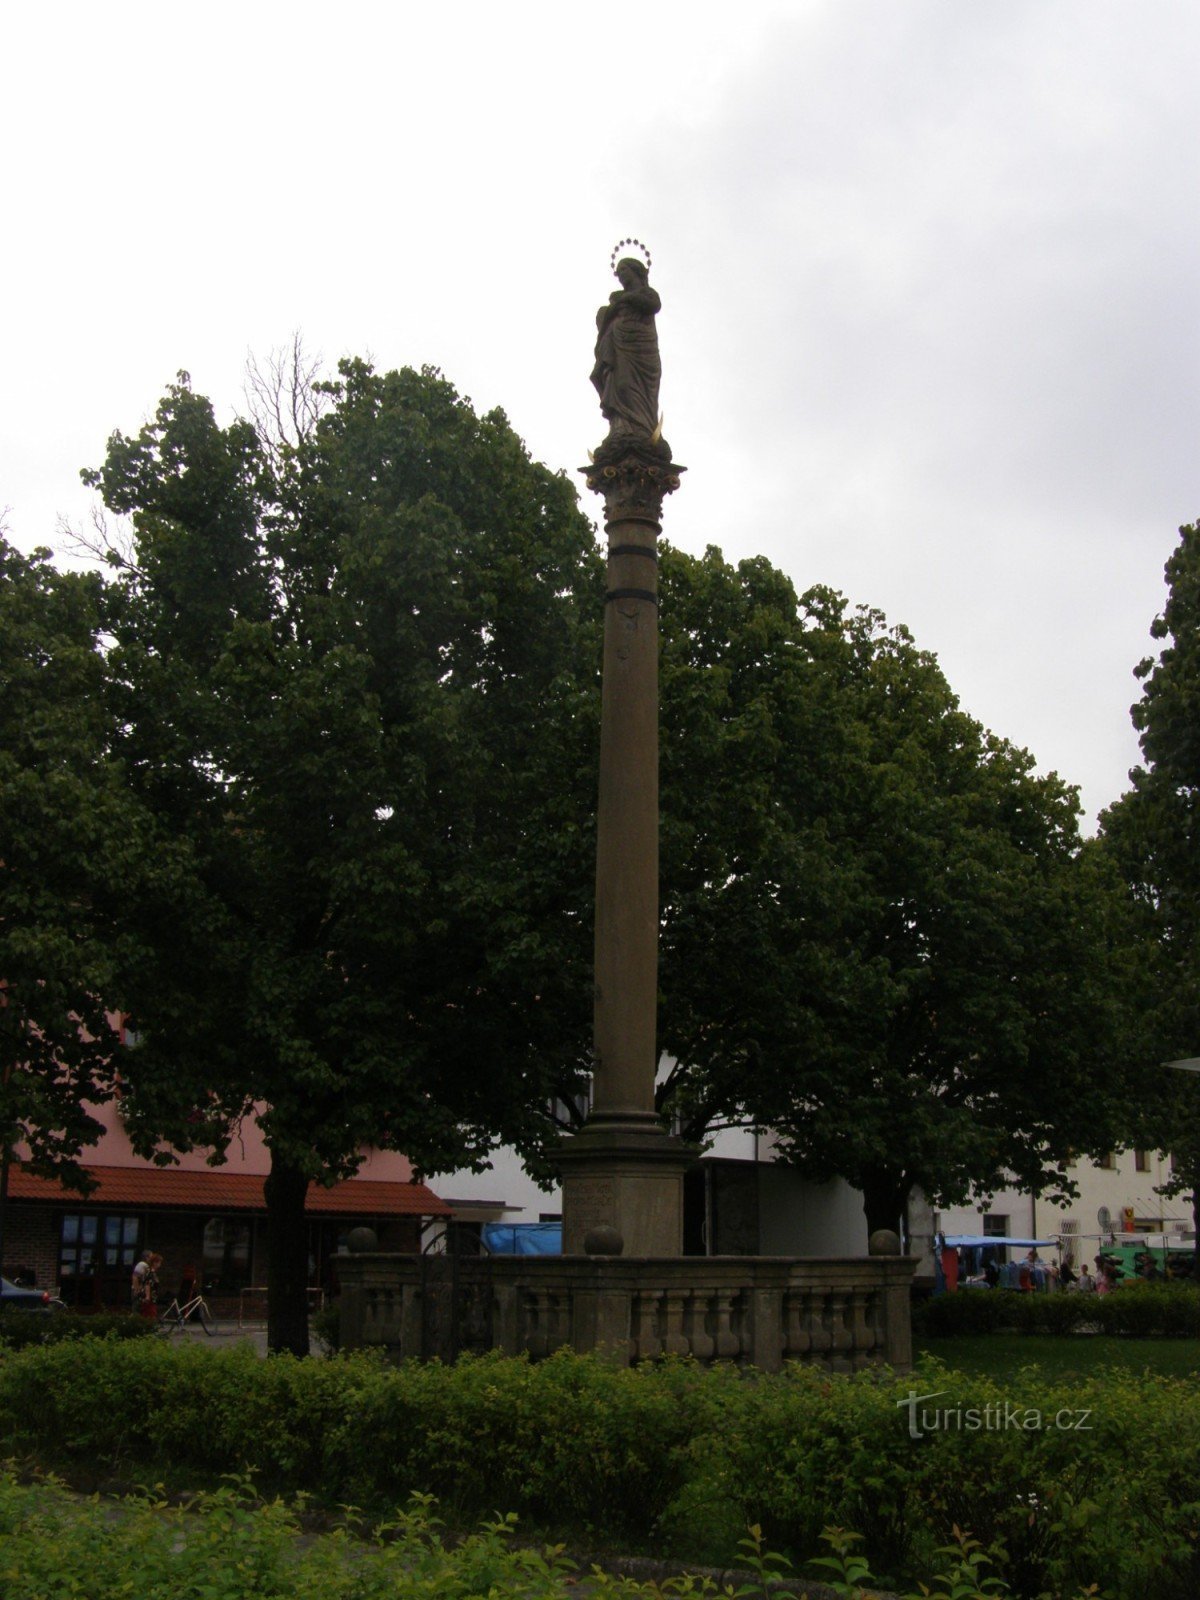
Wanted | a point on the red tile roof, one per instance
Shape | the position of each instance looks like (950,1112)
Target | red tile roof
(228,1191)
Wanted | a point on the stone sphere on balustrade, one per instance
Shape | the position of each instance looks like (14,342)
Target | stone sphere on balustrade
(883,1242)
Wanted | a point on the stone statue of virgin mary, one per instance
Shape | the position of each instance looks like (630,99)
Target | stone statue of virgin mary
(628,368)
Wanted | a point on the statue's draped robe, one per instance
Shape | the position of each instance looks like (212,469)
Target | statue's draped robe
(628,369)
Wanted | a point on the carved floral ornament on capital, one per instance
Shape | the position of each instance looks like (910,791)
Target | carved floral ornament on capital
(634,487)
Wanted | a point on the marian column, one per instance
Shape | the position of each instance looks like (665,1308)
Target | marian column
(622,1173)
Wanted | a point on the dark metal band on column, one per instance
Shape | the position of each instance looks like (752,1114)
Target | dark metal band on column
(631,594)
(634,550)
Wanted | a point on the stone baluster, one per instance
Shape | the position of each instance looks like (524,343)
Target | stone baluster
(409,1319)
(854,1330)
(648,1337)
(726,1337)
(877,1313)
(675,1339)
(861,1330)
(703,1343)
(536,1341)
(797,1335)
(842,1337)
(558,1320)
(820,1334)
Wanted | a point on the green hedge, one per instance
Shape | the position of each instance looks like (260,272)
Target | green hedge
(227,1546)
(671,1458)
(21,1328)
(1141,1310)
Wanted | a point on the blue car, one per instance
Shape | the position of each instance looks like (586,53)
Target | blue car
(13,1298)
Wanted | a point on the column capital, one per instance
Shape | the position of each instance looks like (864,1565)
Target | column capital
(633,485)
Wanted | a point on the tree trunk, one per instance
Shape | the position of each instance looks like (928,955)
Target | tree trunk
(884,1196)
(287,1259)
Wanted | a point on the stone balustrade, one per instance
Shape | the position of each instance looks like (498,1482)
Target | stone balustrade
(842,1314)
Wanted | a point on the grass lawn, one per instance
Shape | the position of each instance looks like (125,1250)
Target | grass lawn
(999,1355)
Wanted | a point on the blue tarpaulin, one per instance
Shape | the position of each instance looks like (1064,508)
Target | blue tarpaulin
(522,1238)
(977,1241)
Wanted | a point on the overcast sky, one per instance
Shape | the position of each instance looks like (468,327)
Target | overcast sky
(928,272)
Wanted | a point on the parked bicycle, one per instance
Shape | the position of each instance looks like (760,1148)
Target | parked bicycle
(179,1313)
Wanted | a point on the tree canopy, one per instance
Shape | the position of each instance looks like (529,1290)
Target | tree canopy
(349,700)
(334,675)
(69,838)
(1153,832)
(884,939)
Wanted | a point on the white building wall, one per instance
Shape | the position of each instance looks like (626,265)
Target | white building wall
(1117,1189)
(798,1218)
(506,1188)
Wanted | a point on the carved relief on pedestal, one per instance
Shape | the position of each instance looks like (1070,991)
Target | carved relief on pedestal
(592,1201)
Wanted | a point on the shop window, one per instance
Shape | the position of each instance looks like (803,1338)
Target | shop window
(226,1254)
(96,1257)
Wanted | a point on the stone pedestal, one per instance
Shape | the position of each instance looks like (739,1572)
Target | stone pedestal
(622,1170)
(626,1176)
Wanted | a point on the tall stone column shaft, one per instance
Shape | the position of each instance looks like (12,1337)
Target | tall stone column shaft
(622,1172)
(626,952)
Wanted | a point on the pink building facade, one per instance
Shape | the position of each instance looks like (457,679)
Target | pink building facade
(208,1223)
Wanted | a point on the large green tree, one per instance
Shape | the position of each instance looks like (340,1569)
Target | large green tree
(69,838)
(355,676)
(1153,831)
(884,939)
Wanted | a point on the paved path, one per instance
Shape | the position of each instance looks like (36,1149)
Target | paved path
(224,1336)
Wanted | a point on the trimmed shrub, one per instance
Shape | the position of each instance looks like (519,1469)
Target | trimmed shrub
(227,1545)
(21,1328)
(1088,1482)
(1144,1310)
(1140,1310)
(972,1311)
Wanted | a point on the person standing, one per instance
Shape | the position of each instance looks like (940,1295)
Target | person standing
(144,1285)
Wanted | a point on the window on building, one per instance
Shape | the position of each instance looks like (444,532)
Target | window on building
(1141,1160)
(226,1263)
(995,1226)
(1108,1161)
(572,1112)
(96,1257)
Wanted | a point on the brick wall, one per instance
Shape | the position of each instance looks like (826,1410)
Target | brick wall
(31,1244)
